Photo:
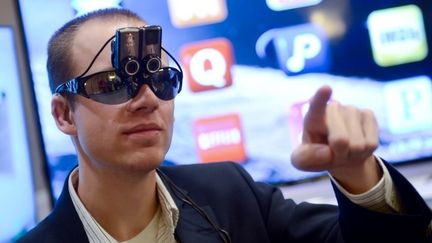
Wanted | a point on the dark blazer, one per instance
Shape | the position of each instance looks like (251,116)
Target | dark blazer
(256,212)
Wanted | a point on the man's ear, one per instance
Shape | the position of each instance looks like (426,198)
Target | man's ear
(62,114)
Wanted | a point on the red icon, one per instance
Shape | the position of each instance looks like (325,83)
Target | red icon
(208,64)
(296,116)
(219,139)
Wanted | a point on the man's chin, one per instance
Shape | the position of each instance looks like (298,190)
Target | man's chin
(142,164)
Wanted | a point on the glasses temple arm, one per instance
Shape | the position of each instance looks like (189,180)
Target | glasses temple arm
(96,56)
(178,65)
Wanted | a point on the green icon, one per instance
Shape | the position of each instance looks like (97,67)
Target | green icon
(397,35)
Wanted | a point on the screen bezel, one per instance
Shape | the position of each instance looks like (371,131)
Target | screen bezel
(10,17)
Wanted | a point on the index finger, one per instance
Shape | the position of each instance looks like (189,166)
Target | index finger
(317,107)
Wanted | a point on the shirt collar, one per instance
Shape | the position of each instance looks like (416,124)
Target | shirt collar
(170,212)
(95,232)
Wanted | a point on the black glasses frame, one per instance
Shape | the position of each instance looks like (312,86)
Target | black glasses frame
(132,83)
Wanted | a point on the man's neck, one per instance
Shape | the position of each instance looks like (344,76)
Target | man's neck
(121,203)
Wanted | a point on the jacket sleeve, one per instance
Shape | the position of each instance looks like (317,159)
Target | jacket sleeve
(287,221)
(358,223)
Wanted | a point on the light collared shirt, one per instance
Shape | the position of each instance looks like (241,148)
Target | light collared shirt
(382,197)
(160,229)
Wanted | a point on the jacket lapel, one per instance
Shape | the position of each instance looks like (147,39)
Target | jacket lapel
(192,226)
(68,226)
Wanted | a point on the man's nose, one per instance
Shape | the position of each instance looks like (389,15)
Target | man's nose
(145,100)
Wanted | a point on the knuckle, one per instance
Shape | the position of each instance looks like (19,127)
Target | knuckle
(357,148)
(333,105)
(351,109)
(371,145)
(367,112)
(339,141)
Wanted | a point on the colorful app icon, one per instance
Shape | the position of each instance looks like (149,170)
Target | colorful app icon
(187,13)
(208,64)
(219,138)
(84,6)
(397,35)
(408,105)
(280,5)
(299,49)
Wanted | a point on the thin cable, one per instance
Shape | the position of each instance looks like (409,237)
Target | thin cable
(223,234)
(178,65)
(94,59)
(106,43)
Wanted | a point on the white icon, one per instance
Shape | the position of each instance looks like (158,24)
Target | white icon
(208,68)
(190,9)
(408,105)
(194,12)
(84,6)
(219,138)
(279,5)
(305,46)
(300,48)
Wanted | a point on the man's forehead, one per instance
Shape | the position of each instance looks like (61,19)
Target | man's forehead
(90,38)
(98,31)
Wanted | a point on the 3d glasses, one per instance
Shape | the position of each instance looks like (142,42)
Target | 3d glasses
(129,51)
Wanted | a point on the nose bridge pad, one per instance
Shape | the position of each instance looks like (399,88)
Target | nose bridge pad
(133,89)
(141,100)
(143,88)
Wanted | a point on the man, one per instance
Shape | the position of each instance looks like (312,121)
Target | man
(118,193)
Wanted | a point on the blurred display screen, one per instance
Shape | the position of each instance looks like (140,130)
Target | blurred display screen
(17,203)
(251,66)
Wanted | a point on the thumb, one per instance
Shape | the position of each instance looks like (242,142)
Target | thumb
(312,157)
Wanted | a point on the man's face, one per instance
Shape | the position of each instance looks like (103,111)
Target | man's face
(134,135)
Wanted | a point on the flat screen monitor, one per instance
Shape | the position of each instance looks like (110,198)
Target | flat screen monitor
(17,203)
(251,67)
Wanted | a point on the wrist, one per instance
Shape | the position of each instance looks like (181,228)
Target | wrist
(359,178)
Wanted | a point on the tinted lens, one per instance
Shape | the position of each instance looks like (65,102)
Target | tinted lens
(166,83)
(112,98)
(103,82)
(106,87)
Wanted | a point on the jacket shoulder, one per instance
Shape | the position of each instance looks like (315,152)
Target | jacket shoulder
(41,233)
(224,173)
